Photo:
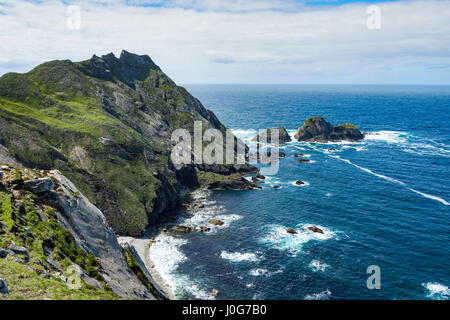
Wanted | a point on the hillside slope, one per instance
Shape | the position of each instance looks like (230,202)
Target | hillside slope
(106,124)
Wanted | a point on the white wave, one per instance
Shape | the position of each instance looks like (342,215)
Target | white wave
(277,237)
(239,257)
(329,194)
(316,265)
(431,197)
(444,202)
(437,290)
(165,253)
(258,272)
(387,136)
(305,184)
(199,293)
(324,295)
(369,171)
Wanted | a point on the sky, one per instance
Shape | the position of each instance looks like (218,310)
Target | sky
(240,41)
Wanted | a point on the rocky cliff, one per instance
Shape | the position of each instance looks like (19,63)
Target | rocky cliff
(106,124)
(50,229)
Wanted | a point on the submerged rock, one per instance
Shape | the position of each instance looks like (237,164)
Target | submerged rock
(216,222)
(303,160)
(180,228)
(276,186)
(291,231)
(266,135)
(299,182)
(315,229)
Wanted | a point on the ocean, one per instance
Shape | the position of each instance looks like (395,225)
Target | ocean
(383,201)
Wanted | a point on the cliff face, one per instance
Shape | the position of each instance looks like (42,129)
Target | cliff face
(106,124)
(48,226)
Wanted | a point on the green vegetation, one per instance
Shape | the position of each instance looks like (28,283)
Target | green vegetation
(310,121)
(24,284)
(348,126)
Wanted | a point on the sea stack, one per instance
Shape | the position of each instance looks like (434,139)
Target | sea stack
(266,135)
(317,129)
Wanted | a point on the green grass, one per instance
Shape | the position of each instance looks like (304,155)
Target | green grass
(348,126)
(24,284)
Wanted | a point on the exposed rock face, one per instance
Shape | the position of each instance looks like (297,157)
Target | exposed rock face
(88,226)
(216,222)
(18,250)
(3,287)
(319,130)
(266,135)
(346,131)
(40,185)
(314,129)
(315,229)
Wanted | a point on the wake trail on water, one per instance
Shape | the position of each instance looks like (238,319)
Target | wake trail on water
(425,195)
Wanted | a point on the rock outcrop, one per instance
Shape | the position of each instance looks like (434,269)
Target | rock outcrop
(88,226)
(317,129)
(266,135)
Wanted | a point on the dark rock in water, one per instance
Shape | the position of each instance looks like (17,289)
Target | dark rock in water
(260,176)
(276,186)
(346,131)
(266,135)
(281,154)
(315,229)
(314,129)
(205,229)
(299,182)
(40,185)
(180,228)
(3,287)
(317,129)
(331,149)
(298,155)
(291,231)
(303,160)
(216,222)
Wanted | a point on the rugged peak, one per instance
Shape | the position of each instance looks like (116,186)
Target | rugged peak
(128,68)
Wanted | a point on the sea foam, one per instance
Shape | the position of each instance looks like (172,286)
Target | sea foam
(437,291)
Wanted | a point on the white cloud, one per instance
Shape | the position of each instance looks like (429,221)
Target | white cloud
(207,41)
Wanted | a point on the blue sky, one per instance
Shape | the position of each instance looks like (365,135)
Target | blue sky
(237,41)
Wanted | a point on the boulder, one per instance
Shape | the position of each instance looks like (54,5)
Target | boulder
(3,253)
(18,250)
(260,176)
(266,135)
(314,129)
(315,229)
(276,186)
(331,149)
(204,229)
(3,287)
(303,160)
(5,168)
(299,182)
(281,154)
(298,155)
(216,222)
(180,228)
(291,231)
(40,185)
(215,292)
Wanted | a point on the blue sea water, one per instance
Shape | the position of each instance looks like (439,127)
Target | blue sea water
(384,201)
